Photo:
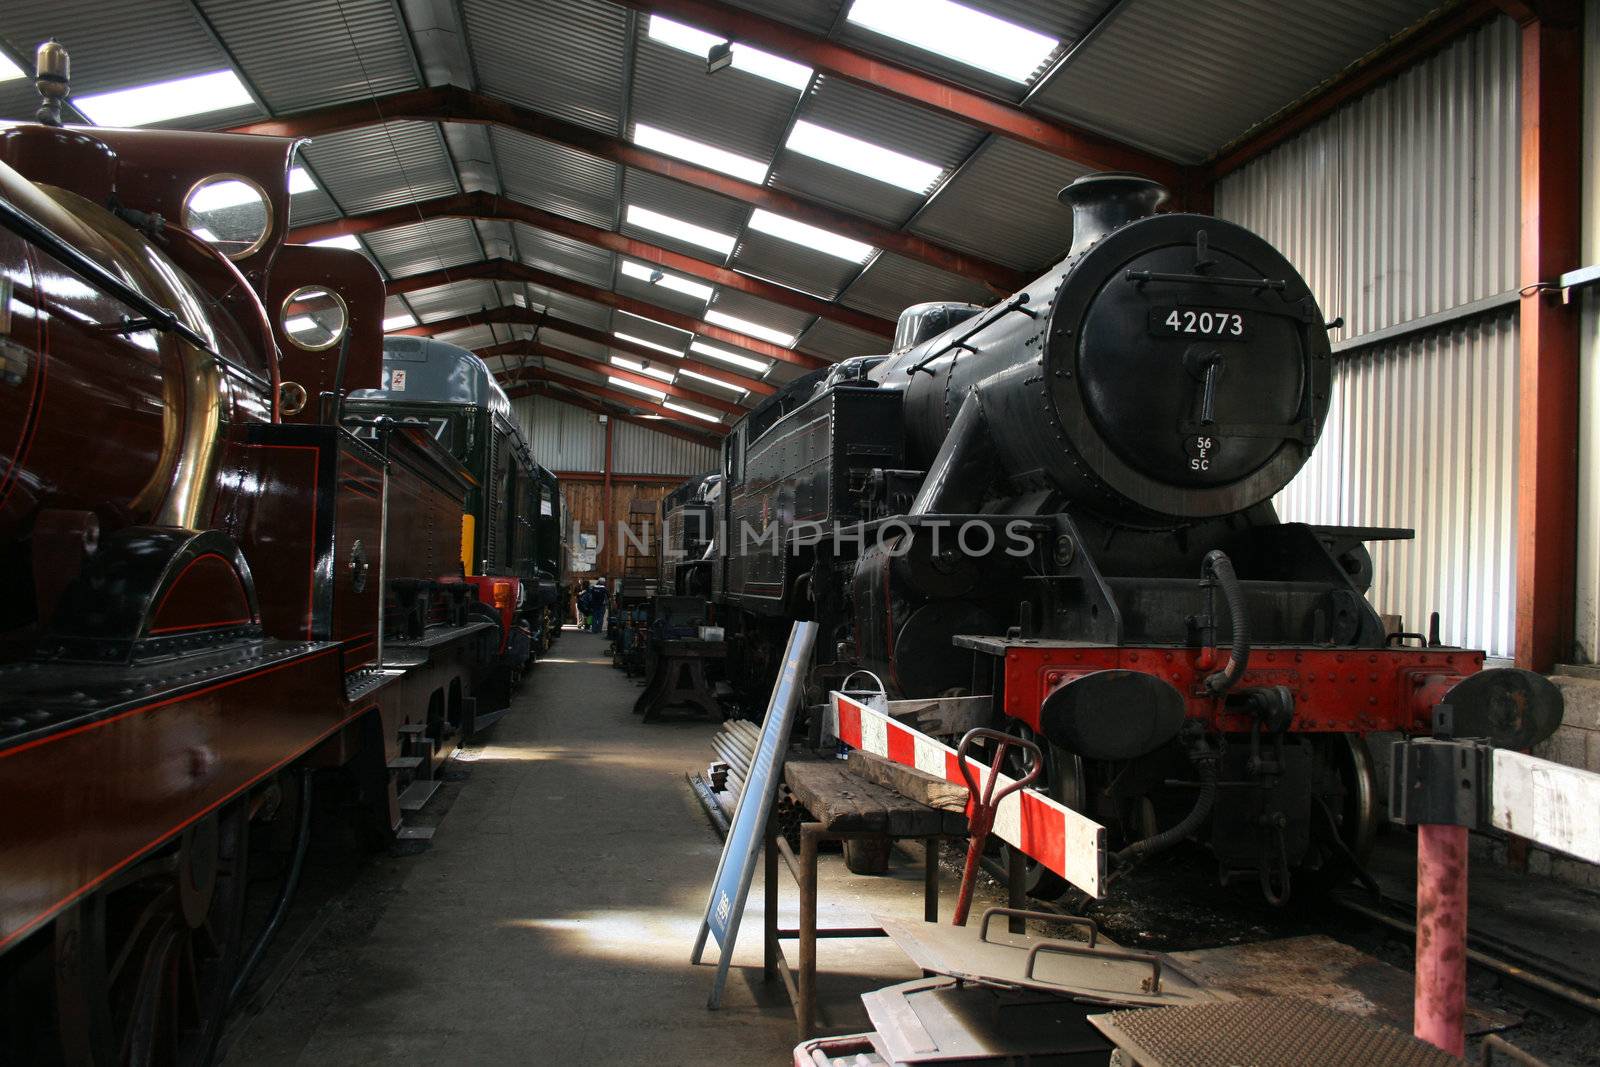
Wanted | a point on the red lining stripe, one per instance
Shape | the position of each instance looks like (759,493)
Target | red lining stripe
(201,626)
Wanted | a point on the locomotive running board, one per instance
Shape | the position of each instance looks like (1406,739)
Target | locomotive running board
(1070,844)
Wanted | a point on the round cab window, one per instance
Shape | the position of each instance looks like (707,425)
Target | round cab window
(230,212)
(314,318)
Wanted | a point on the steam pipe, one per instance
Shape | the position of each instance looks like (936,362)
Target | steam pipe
(1220,567)
(960,472)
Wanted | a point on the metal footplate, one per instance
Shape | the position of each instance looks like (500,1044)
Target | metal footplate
(1266,1032)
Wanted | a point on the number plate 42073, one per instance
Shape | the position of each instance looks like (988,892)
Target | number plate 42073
(1215,324)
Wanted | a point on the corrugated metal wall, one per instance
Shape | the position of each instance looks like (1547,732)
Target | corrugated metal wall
(568,438)
(1588,618)
(1400,205)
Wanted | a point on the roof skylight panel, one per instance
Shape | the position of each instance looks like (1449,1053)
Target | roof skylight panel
(344,240)
(657,276)
(642,390)
(180,98)
(752,60)
(300,181)
(958,32)
(657,345)
(641,367)
(692,411)
(732,359)
(812,237)
(863,157)
(703,236)
(9,71)
(718,382)
(754,329)
(698,152)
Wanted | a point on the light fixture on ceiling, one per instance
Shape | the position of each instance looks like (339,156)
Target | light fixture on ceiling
(720,57)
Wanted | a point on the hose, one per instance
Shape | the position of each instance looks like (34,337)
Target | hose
(1205,764)
(280,907)
(1218,565)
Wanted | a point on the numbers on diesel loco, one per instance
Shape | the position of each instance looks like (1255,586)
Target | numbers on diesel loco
(1211,323)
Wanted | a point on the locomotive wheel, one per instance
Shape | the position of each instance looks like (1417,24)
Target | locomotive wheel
(1061,779)
(144,964)
(1347,756)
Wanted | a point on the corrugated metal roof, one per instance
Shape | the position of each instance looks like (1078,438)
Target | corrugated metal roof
(555,178)
(650,330)
(763,312)
(380,166)
(455,298)
(834,341)
(309,53)
(792,265)
(495,235)
(562,255)
(473,337)
(732,109)
(564,57)
(313,206)
(637,450)
(424,246)
(552,335)
(1065,20)
(883,120)
(1185,78)
(815,15)
(642,289)
(684,202)
(1002,205)
(113,46)
(893,283)
(473,152)
(583,312)
(856,193)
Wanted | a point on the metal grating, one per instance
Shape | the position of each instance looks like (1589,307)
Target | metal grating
(732,109)
(834,341)
(792,266)
(382,166)
(555,178)
(1423,434)
(425,246)
(1184,79)
(564,57)
(1002,205)
(309,53)
(893,283)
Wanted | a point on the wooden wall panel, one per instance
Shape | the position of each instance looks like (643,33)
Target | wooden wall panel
(584,504)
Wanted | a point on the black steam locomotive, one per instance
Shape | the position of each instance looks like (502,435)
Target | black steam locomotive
(1063,502)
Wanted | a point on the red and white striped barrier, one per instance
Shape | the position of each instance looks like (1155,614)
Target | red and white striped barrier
(1066,842)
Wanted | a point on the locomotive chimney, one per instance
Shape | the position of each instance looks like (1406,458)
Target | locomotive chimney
(1102,202)
(52,72)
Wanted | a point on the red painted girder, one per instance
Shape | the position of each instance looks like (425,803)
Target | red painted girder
(453,104)
(710,435)
(672,389)
(1401,53)
(1548,335)
(925,90)
(529,317)
(488,206)
(503,270)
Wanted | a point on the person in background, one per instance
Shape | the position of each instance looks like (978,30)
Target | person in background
(581,603)
(597,605)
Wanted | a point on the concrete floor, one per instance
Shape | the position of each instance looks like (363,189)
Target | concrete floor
(552,919)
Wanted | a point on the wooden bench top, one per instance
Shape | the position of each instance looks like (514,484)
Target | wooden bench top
(845,803)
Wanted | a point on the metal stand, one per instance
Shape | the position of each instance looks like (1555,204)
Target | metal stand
(802,987)
(677,678)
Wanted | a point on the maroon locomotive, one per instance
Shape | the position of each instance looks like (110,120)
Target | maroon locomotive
(195,567)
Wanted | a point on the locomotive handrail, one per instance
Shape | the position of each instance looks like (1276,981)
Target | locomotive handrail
(1016,303)
(1142,276)
(88,269)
